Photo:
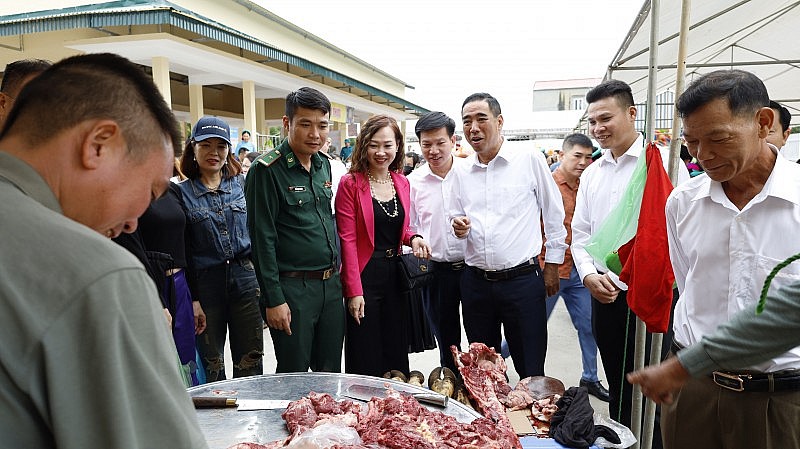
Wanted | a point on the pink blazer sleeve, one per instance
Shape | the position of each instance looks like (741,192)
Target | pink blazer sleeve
(353,236)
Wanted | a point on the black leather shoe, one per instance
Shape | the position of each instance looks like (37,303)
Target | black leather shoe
(596,389)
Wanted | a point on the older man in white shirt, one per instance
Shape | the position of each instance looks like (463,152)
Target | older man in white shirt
(727,230)
(431,192)
(501,199)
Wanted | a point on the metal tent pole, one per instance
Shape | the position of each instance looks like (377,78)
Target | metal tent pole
(641,330)
(674,166)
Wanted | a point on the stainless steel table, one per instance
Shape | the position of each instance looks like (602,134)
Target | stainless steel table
(225,427)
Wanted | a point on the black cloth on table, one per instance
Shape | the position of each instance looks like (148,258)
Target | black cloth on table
(573,424)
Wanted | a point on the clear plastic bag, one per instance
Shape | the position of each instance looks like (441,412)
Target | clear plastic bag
(625,435)
(326,435)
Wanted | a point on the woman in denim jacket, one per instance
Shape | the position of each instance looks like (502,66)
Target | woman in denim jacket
(221,273)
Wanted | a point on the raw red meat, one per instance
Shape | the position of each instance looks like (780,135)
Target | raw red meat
(484,374)
(397,421)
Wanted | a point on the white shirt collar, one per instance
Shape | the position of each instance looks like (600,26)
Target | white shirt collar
(502,153)
(783,190)
(635,150)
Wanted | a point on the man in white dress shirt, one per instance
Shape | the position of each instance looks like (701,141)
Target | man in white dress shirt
(727,230)
(498,201)
(612,116)
(781,126)
(431,192)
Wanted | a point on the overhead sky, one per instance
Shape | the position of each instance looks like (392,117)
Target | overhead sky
(450,49)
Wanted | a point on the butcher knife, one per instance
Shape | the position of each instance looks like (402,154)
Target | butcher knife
(241,404)
(365,393)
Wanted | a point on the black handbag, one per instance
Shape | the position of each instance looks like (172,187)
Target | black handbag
(415,272)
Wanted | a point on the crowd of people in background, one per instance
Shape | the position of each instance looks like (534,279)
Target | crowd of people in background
(305,241)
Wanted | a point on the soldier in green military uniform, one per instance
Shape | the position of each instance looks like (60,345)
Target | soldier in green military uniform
(288,193)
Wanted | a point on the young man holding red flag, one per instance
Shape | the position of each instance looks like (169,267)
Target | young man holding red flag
(612,115)
(727,230)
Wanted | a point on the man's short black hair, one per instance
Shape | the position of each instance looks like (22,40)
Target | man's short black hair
(784,115)
(435,120)
(309,98)
(743,91)
(612,88)
(576,139)
(494,105)
(16,72)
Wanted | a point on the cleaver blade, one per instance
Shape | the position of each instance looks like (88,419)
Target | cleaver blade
(365,393)
(262,404)
(242,404)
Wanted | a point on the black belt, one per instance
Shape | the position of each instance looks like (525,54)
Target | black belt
(528,266)
(320,275)
(385,253)
(453,266)
(752,382)
(758,382)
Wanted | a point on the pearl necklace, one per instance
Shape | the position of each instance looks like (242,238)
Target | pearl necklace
(388,180)
(382,181)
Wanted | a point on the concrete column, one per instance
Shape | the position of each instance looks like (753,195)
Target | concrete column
(261,116)
(195,102)
(161,77)
(249,104)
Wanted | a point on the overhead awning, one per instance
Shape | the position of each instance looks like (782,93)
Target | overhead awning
(107,15)
(754,35)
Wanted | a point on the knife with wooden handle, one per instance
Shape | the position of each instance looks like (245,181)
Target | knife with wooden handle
(240,404)
(213,402)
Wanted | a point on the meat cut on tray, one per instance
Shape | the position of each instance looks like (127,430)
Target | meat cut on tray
(396,421)
(484,373)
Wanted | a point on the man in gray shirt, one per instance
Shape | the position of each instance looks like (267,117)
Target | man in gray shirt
(747,339)
(87,359)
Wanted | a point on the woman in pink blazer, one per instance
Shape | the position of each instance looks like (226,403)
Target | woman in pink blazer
(372,204)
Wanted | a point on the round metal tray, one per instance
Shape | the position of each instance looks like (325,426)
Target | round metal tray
(225,427)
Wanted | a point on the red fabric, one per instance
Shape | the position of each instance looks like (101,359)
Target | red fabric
(356,225)
(647,269)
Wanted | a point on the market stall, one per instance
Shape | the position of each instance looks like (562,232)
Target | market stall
(350,398)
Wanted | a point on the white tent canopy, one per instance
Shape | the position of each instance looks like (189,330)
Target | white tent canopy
(759,36)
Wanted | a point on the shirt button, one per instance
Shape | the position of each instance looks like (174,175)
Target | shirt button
(224,232)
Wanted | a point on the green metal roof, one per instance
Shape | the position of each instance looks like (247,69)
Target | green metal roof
(160,12)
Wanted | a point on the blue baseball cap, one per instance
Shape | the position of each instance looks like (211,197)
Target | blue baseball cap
(208,127)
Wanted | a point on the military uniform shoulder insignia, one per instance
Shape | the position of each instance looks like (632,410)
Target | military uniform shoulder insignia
(268,158)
